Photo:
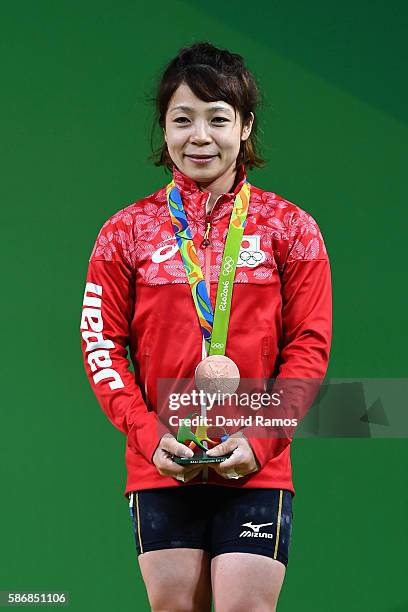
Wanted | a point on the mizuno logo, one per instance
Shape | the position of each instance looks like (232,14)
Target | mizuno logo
(256,528)
(96,345)
(255,533)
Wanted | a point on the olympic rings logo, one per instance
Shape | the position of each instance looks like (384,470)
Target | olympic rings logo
(217,345)
(228,265)
(251,258)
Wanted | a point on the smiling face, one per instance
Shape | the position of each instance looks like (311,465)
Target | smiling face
(203,138)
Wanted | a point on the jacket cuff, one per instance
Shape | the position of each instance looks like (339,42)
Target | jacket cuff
(266,449)
(145,437)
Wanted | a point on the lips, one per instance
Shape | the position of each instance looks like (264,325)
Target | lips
(200,156)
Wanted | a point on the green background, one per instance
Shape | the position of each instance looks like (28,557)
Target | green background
(75,133)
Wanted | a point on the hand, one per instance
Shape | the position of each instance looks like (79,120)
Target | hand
(168,445)
(242,460)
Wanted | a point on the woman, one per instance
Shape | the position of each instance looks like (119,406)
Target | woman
(217,529)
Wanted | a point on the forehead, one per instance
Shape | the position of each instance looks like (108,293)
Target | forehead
(184,99)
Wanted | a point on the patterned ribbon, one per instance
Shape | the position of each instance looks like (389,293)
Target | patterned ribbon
(214,327)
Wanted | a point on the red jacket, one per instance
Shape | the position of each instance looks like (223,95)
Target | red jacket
(137,295)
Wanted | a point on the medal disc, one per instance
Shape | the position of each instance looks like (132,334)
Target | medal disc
(217,374)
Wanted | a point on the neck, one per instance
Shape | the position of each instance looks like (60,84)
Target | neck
(220,185)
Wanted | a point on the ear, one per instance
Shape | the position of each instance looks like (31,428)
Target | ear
(247,127)
(164,134)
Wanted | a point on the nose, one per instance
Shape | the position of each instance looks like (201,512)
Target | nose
(200,133)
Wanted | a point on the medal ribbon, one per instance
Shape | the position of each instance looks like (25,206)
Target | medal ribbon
(214,326)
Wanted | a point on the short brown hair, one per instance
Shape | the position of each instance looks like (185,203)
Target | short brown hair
(212,74)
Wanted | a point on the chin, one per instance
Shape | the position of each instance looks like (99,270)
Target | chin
(190,168)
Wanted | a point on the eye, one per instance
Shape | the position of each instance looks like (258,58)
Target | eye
(216,119)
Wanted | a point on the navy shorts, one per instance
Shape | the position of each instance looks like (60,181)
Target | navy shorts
(214,518)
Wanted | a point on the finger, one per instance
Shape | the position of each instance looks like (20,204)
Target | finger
(231,473)
(192,474)
(192,467)
(215,467)
(189,473)
(171,445)
(168,467)
(233,463)
(224,448)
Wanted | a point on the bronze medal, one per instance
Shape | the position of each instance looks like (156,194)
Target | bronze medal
(217,374)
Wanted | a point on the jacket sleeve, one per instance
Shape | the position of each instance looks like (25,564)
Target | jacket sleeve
(108,305)
(306,327)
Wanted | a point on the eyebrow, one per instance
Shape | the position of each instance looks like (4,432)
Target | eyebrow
(188,108)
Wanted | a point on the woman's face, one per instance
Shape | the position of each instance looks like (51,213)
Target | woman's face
(208,130)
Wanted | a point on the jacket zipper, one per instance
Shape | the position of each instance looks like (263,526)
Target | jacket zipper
(265,360)
(147,357)
(206,241)
(206,245)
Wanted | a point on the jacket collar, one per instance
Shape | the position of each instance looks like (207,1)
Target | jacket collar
(194,199)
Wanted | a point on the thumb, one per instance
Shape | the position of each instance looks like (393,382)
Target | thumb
(224,448)
(171,445)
